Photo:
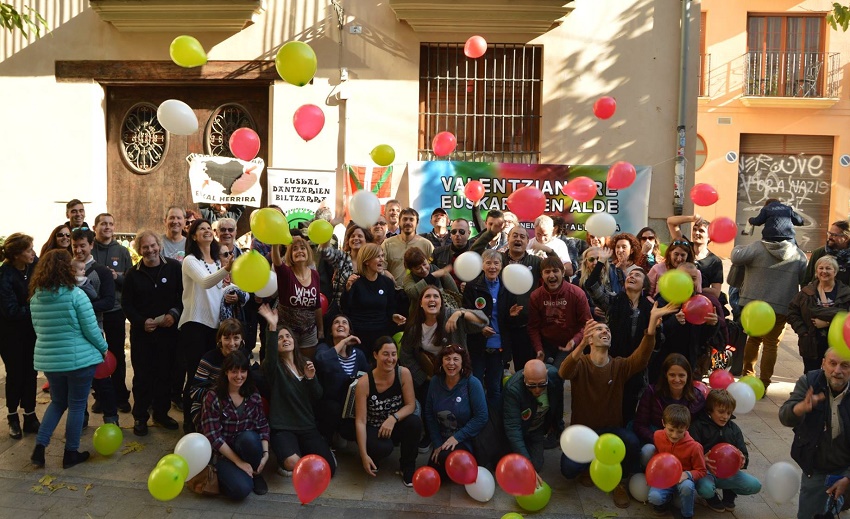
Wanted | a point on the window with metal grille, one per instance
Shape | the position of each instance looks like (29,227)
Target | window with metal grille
(491,104)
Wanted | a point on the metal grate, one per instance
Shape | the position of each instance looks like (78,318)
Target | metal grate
(491,104)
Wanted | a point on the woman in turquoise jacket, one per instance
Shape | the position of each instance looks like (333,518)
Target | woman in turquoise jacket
(68,348)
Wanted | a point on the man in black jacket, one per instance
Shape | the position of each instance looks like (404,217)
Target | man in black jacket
(821,446)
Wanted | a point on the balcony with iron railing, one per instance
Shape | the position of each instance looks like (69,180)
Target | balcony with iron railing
(792,79)
(704,78)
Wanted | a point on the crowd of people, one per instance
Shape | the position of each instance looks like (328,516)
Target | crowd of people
(407,353)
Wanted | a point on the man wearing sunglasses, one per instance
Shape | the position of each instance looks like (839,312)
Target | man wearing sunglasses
(225,233)
(447,254)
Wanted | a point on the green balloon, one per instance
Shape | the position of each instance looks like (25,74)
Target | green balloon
(536,501)
(835,336)
(320,231)
(676,286)
(755,383)
(177,461)
(609,449)
(107,439)
(383,154)
(512,515)
(757,318)
(165,483)
(605,476)
(397,338)
(296,63)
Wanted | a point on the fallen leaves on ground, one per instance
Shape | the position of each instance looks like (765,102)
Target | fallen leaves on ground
(604,514)
(133,447)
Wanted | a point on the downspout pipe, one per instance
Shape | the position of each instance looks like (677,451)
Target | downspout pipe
(679,169)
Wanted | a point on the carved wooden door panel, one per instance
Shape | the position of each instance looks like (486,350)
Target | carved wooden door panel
(147,169)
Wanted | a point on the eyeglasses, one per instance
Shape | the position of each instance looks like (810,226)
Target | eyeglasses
(80,229)
(63,235)
(539,385)
(592,260)
(834,234)
(382,224)
(225,254)
(644,238)
(226,229)
(462,232)
(681,242)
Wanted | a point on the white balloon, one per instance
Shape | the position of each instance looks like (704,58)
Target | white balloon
(782,481)
(601,224)
(646,454)
(467,266)
(517,278)
(177,117)
(639,488)
(271,286)
(483,488)
(745,397)
(577,442)
(196,450)
(365,208)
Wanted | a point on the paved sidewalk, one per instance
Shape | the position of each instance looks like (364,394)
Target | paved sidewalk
(116,486)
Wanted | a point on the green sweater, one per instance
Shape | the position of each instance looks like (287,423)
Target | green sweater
(291,400)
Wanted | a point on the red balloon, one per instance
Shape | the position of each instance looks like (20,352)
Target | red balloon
(696,308)
(704,194)
(727,460)
(527,203)
(720,379)
(701,387)
(107,367)
(461,467)
(475,47)
(474,190)
(308,121)
(324,302)
(663,471)
(604,107)
(426,481)
(620,175)
(516,475)
(722,230)
(244,143)
(581,189)
(444,144)
(311,477)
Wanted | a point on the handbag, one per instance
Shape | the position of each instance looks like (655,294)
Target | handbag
(205,482)
(427,361)
(348,406)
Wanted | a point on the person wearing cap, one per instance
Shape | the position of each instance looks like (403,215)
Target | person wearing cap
(447,254)
(439,235)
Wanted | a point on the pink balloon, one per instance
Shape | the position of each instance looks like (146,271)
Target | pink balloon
(311,477)
(722,230)
(461,467)
(581,189)
(444,144)
(245,143)
(704,194)
(107,367)
(663,470)
(516,475)
(308,121)
(621,175)
(701,387)
(323,301)
(474,190)
(527,203)
(720,379)
(696,308)
(604,107)
(475,47)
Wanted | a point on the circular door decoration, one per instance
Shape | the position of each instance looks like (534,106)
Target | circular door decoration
(144,141)
(225,120)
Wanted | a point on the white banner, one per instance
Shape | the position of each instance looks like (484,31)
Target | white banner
(225,180)
(299,192)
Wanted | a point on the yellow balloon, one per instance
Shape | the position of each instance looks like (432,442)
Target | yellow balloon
(178,462)
(383,154)
(187,52)
(270,227)
(605,476)
(676,286)
(250,271)
(296,63)
(757,318)
(164,482)
(835,336)
(320,231)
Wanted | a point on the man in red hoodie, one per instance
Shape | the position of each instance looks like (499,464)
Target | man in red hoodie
(557,314)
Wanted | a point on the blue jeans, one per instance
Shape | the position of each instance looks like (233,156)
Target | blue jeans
(487,367)
(233,481)
(68,390)
(687,493)
(813,496)
(571,469)
(741,483)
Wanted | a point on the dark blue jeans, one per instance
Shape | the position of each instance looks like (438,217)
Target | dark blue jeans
(233,481)
(68,390)
(487,367)
(571,469)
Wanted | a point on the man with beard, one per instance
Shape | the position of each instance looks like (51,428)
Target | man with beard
(708,263)
(447,254)
(837,241)
(439,235)
(392,211)
(173,241)
(152,300)
(557,314)
(597,382)
(819,412)
(395,247)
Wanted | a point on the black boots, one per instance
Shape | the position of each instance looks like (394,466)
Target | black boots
(15,426)
(37,457)
(72,458)
(31,423)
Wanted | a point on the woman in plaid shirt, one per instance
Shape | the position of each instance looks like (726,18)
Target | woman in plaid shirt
(233,421)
